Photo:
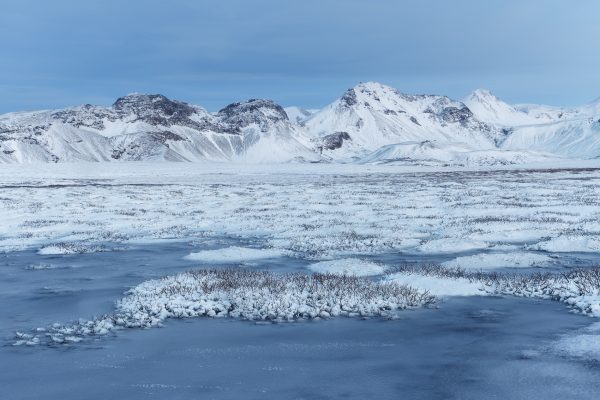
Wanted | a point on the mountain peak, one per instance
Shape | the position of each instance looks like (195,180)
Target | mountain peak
(155,109)
(375,89)
(139,103)
(373,86)
(482,93)
(366,93)
(137,98)
(257,111)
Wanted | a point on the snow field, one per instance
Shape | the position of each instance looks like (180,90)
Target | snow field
(314,215)
(348,266)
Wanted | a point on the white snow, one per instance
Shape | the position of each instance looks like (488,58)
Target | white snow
(313,211)
(440,286)
(515,259)
(233,254)
(348,266)
(584,344)
(435,153)
(569,243)
(298,115)
(578,288)
(70,248)
(452,245)
(490,108)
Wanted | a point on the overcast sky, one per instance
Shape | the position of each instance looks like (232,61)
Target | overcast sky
(68,52)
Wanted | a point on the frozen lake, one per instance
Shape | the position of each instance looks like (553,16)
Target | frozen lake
(72,242)
(466,348)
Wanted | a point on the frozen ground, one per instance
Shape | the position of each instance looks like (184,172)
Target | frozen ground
(309,211)
(75,238)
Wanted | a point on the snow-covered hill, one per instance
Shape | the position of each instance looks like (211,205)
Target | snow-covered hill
(370,123)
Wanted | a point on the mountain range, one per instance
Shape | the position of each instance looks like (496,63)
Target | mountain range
(369,123)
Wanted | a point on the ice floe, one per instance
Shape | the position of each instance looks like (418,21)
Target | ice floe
(234,254)
(517,259)
(570,243)
(584,344)
(440,286)
(452,245)
(348,266)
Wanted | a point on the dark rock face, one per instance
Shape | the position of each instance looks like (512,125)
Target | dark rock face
(154,108)
(460,115)
(158,110)
(349,98)
(333,141)
(87,116)
(254,111)
(166,135)
(141,146)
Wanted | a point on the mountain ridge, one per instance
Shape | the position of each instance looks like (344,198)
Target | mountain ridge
(367,121)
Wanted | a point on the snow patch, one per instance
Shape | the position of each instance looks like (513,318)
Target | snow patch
(70,248)
(451,245)
(438,286)
(518,259)
(348,266)
(568,244)
(234,254)
(585,346)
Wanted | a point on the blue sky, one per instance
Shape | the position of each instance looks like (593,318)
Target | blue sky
(66,52)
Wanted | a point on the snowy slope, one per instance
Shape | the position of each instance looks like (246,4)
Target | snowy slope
(298,115)
(573,133)
(578,138)
(491,109)
(435,154)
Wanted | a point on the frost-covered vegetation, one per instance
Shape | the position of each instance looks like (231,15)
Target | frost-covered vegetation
(240,293)
(316,212)
(578,288)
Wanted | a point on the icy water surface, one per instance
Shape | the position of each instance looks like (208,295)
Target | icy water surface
(468,348)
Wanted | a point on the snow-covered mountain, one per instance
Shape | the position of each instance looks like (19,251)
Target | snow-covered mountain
(370,123)
(153,127)
(372,115)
